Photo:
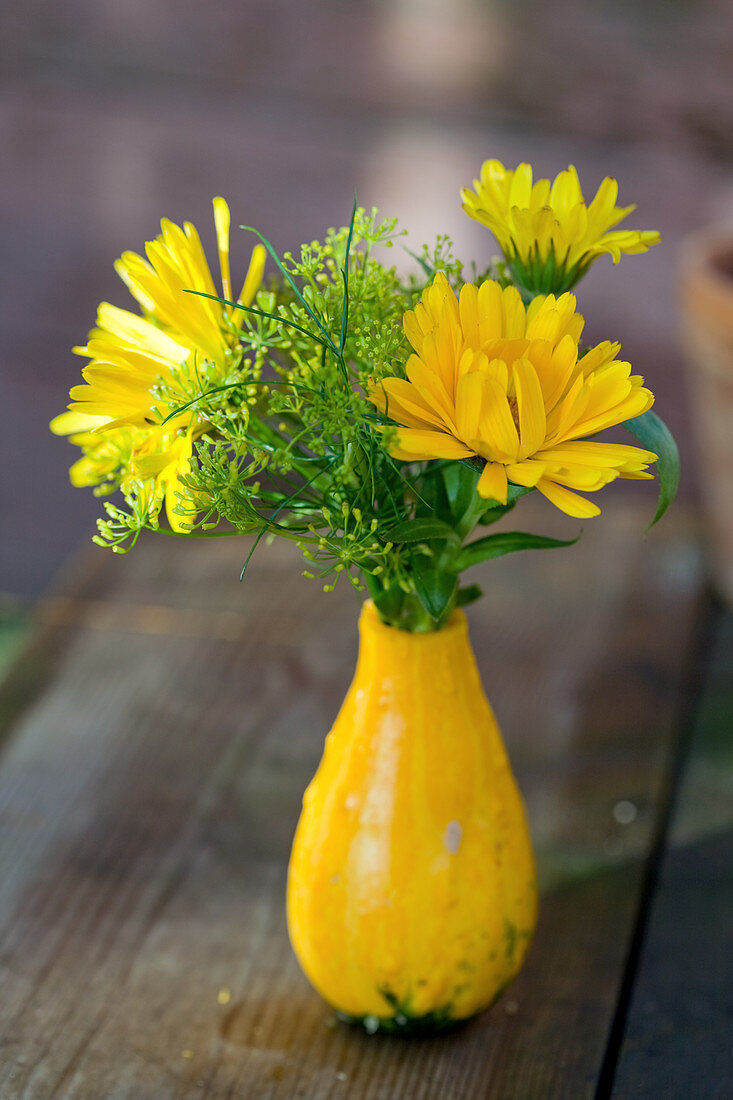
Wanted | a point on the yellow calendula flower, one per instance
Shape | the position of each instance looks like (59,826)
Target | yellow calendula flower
(126,432)
(160,462)
(152,459)
(175,264)
(548,235)
(493,379)
(180,332)
(129,357)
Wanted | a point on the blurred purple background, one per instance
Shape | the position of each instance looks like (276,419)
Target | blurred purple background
(116,112)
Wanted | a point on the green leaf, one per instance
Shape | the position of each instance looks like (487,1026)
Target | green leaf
(433,502)
(653,433)
(460,482)
(345,276)
(388,601)
(286,275)
(258,313)
(496,510)
(492,515)
(200,397)
(494,546)
(429,271)
(270,523)
(434,588)
(468,508)
(468,594)
(514,492)
(419,530)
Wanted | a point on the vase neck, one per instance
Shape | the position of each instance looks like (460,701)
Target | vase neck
(385,651)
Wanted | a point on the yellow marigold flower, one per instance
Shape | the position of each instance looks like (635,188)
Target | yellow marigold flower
(115,415)
(176,263)
(153,457)
(131,354)
(161,461)
(548,235)
(494,379)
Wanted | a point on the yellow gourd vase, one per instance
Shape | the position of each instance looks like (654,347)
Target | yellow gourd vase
(412,894)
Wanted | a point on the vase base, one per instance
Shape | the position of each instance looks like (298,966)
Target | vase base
(432,1023)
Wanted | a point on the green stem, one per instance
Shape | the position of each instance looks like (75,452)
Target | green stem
(195,534)
(471,516)
(404,611)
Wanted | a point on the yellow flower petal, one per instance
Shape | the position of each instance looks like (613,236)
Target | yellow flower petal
(419,443)
(173,487)
(497,427)
(530,408)
(222,219)
(254,275)
(432,391)
(69,423)
(526,473)
(593,453)
(492,485)
(469,399)
(570,503)
(402,401)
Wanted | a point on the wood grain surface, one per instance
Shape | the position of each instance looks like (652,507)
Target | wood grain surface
(678,1033)
(159,733)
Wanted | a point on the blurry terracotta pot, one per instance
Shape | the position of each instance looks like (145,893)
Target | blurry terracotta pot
(707,292)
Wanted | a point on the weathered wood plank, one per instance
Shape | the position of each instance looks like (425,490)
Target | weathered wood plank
(678,1032)
(148,796)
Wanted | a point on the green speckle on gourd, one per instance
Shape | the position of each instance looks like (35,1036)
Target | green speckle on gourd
(511,936)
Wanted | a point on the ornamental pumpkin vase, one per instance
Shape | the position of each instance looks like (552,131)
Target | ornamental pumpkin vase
(412,894)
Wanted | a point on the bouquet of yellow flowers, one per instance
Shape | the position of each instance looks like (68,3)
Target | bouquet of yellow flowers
(376,420)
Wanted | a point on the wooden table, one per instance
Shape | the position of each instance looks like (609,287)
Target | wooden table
(159,731)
